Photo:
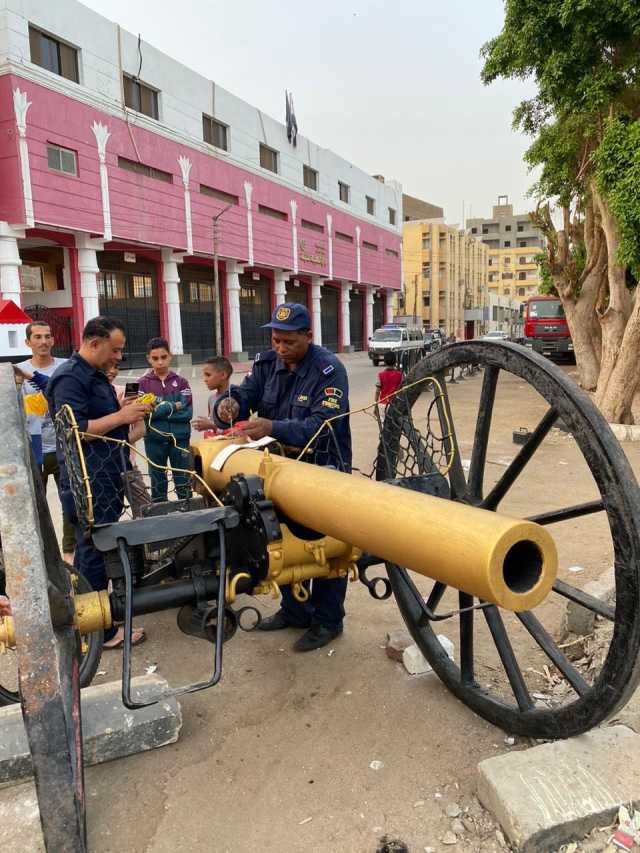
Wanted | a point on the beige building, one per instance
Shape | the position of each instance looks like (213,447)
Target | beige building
(445,274)
(513,242)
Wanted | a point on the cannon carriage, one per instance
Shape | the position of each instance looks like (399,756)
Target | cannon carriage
(259,519)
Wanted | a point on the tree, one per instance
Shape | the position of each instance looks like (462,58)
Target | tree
(585,122)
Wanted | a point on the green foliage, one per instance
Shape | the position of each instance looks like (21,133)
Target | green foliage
(582,54)
(546,285)
(559,151)
(617,171)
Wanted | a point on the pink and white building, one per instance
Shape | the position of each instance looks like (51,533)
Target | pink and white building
(115,161)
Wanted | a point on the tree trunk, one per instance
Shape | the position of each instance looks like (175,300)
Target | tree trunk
(616,399)
(612,397)
(579,294)
(580,314)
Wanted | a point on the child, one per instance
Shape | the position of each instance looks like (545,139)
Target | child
(389,379)
(216,373)
(168,426)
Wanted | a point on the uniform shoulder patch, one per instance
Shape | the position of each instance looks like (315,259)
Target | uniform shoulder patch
(333,392)
(268,355)
(328,369)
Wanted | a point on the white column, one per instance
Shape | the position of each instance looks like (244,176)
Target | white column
(248,190)
(10,263)
(171,281)
(280,286)
(368,331)
(233,299)
(330,242)
(101,133)
(294,234)
(345,298)
(358,266)
(388,313)
(185,168)
(88,267)
(21,107)
(316,309)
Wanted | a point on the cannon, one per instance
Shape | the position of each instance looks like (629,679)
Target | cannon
(260,517)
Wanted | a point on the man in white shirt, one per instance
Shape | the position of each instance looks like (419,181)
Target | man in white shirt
(40,341)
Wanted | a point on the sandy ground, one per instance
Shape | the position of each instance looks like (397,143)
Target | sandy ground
(278,757)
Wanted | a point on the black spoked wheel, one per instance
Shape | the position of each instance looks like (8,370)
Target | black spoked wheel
(89,661)
(520,671)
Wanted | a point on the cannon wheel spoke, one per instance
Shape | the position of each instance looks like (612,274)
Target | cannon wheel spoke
(567,513)
(481,438)
(517,465)
(457,479)
(467,667)
(508,699)
(555,655)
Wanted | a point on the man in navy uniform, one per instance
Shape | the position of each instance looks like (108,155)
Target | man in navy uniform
(294,388)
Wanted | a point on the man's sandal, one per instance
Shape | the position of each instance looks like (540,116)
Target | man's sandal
(117,642)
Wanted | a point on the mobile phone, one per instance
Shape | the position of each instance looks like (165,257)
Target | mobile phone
(132,389)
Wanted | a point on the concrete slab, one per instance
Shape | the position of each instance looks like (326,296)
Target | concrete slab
(109,729)
(20,820)
(555,792)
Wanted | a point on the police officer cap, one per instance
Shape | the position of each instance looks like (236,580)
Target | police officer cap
(289,317)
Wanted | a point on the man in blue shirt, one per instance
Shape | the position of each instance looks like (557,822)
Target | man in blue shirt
(81,383)
(295,388)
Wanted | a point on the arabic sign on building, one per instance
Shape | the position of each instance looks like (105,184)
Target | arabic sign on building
(315,256)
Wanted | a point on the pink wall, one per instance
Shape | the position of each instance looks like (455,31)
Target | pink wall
(150,211)
(11,197)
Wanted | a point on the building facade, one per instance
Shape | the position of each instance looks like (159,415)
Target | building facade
(513,243)
(122,174)
(445,277)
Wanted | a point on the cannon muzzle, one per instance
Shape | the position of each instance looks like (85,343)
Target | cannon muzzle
(507,561)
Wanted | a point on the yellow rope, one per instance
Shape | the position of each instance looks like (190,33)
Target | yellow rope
(328,423)
(124,443)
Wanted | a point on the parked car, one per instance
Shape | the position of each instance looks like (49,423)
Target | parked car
(432,341)
(495,336)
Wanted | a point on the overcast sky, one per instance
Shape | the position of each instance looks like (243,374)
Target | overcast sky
(391,86)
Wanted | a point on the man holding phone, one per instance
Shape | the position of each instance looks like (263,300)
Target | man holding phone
(82,384)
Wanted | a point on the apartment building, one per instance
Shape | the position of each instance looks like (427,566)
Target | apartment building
(122,173)
(445,277)
(513,242)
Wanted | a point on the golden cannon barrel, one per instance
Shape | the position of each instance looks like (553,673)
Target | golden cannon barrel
(508,561)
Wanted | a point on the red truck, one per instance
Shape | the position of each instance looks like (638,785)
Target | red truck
(545,327)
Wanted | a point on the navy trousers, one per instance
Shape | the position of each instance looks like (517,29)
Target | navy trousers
(325,605)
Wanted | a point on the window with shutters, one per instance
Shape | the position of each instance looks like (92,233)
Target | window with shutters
(371,205)
(140,97)
(310,178)
(392,216)
(143,169)
(268,158)
(50,53)
(214,132)
(343,192)
(61,159)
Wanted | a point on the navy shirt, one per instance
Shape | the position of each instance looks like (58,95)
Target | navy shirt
(91,396)
(298,401)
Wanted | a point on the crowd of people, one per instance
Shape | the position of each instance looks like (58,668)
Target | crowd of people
(290,390)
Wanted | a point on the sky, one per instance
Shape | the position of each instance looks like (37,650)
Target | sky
(394,87)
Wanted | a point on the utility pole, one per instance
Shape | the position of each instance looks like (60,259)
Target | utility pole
(216,279)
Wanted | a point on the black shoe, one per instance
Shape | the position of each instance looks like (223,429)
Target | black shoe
(315,638)
(277,622)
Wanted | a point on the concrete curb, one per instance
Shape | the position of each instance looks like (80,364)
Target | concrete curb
(626,432)
(109,729)
(557,792)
